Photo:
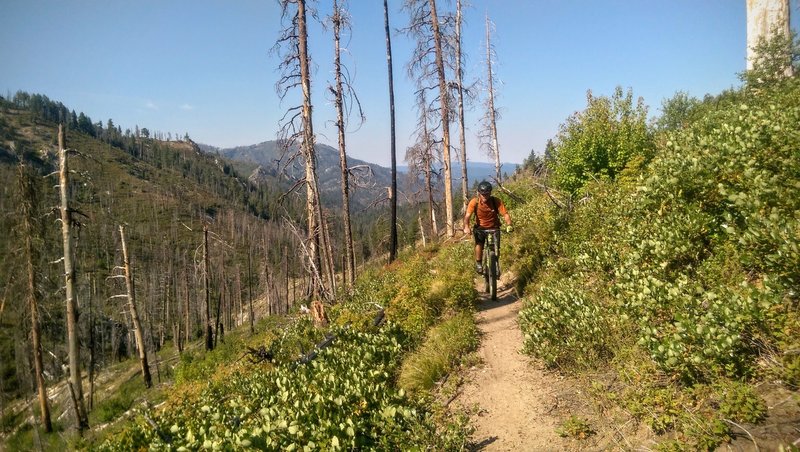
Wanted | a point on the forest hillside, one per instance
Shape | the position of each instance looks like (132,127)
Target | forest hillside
(657,262)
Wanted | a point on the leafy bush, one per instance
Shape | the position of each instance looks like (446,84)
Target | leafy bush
(690,259)
(575,427)
(343,399)
(597,143)
(564,327)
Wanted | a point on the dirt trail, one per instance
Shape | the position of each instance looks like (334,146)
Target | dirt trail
(514,403)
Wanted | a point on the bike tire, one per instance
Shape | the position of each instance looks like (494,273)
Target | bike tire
(486,275)
(492,276)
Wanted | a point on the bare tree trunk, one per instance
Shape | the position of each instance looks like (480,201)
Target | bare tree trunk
(137,325)
(69,277)
(28,205)
(393,200)
(421,229)
(492,111)
(92,358)
(187,313)
(316,233)
(250,291)
(445,112)
(349,269)
(462,132)
(207,289)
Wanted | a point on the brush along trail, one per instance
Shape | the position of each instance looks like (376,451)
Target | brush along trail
(514,403)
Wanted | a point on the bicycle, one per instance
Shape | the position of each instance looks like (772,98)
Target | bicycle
(491,261)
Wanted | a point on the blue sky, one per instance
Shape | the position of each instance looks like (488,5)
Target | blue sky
(204,67)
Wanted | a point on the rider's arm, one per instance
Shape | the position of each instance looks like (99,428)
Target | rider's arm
(467,216)
(507,219)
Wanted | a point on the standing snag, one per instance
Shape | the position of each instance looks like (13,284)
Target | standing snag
(73,345)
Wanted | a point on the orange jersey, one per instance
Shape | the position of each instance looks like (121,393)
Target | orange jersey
(488,212)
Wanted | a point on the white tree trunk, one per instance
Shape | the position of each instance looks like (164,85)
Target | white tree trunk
(762,17)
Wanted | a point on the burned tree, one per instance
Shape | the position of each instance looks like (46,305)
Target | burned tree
(462,140)
(131,297)
(421,158)
(73,345)
(343,91)
(430,63)
(295,68)
(393,145)
(28,206)
(489,133)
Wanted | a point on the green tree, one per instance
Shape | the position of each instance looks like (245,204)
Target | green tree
(598,142)
(775,59)
(677,111)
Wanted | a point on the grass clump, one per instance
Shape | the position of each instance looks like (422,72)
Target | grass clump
(442,349)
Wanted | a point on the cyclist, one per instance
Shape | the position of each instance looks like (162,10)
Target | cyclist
(487,210)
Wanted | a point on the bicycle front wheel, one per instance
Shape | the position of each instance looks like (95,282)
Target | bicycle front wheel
(486,274)
(492,276)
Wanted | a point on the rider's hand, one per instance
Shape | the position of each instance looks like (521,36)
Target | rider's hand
(466,229)
(509,228)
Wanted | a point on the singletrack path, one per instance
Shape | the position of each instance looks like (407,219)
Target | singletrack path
(513,401)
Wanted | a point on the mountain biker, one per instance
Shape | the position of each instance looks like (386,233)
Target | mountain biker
(487,210)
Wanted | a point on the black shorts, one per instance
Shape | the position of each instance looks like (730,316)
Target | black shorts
(480,236)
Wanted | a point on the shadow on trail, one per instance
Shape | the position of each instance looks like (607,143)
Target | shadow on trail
(482,445)
(505,296)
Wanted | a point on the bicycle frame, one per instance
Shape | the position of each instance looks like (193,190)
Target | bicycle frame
(491,261)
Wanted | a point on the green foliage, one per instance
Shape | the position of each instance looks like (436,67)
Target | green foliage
(598,142)
(118,402)
(686,263)
(774,55)
(344,399)
(739,403)
(441,351)
(532,239)
(564,327)
(428,287)
(575,427)
(678,111)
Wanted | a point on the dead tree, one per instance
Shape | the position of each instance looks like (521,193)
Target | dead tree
(429,66)
(343,91)
(462,139)
(421,158)
(73,345)
(393,145)
(445,112)
(207,291)
(28,205)
(296,71)
(131,297)
(489,135)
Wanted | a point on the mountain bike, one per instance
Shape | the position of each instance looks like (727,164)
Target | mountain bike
(491,261)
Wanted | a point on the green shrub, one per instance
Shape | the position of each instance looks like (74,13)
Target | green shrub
(575,427)
(342,399)
(739,403)
(565,326)
(597,143)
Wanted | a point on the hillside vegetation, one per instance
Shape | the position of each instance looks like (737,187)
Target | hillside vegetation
(344,394)
(664,277)
(659,265)
(677,265)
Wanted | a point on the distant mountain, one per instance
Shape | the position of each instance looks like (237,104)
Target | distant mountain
(265,160)
(476,171)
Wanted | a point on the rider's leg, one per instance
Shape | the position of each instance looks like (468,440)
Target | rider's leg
(480,239)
